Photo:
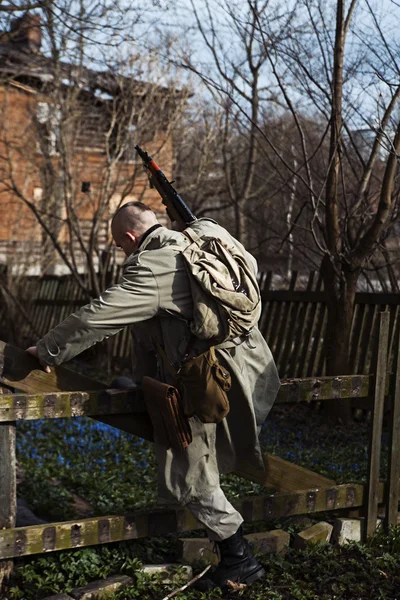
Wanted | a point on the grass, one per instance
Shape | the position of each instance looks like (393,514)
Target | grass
(323,572)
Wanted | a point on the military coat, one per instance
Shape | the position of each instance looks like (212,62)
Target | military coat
(153,298)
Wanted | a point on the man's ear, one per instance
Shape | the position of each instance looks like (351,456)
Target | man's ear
(131,236)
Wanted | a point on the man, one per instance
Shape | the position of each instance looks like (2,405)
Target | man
(153,297)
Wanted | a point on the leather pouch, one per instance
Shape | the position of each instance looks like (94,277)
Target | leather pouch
(203,384)
(164,405)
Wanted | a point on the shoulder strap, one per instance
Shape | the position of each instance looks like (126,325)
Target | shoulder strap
(191,234)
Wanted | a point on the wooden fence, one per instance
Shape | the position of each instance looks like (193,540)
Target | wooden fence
(299,491)
(294,324)
(293,321)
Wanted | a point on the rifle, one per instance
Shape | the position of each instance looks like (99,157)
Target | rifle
(176,207)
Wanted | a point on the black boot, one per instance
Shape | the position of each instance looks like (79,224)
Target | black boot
(237,564)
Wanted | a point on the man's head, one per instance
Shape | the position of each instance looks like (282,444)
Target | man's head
(129,224)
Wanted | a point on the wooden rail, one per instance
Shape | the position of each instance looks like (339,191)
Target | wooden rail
(23,541)
(56,405)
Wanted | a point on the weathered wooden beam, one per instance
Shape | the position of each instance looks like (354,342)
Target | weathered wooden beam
(325,388)
(55,405)
(60,404)
(283,476)
(8,486)
(288,477)
(304,502)
(375,442)
(23,541)
(20,370)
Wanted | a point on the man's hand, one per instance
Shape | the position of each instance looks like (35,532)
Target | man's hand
(33,350)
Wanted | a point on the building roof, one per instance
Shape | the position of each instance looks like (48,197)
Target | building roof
(21,58)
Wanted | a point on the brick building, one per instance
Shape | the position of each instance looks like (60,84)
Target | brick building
(67,160)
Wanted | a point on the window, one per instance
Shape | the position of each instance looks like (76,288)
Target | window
(48,118)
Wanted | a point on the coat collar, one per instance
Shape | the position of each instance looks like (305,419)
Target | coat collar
(147,233)
(155,238)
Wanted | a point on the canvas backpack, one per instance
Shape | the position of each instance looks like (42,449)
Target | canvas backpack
(226,296)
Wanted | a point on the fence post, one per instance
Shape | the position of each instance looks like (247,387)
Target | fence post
(8,488)
(392,486)
(374,453)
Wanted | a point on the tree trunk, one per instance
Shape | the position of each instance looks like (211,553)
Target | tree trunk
(239,222)
(340,288)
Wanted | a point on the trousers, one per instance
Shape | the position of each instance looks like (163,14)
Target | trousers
(217,514)
(191,479)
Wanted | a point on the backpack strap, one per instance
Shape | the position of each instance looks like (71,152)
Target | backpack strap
(192,235)
(169,365)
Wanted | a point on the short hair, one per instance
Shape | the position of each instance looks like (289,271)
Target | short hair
(139,206)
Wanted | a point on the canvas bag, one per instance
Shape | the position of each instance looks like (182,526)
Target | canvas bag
(226,296)
(203,385)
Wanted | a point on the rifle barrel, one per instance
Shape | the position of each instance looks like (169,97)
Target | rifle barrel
(168,193)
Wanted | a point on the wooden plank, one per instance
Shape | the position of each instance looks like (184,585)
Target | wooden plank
(373,341)
(324,388)
(392,489)
(374,454)
(355,335)
(20,370)
(309,324)
(365,337)
(266,279)
(394,332)
(271,314)
(317,337)
(276,320)
(284,476)
(320,297)
(56,405)
(24,541)
(47,289)
(8,486)
(293,357)
(322,347)
(281,324)
(289,338)
(32,292)
(363,315)
(59,405)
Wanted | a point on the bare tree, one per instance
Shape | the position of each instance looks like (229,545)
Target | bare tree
(335,66)
(228,33)
(352,206)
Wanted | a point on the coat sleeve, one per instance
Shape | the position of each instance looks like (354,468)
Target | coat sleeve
(135,298)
